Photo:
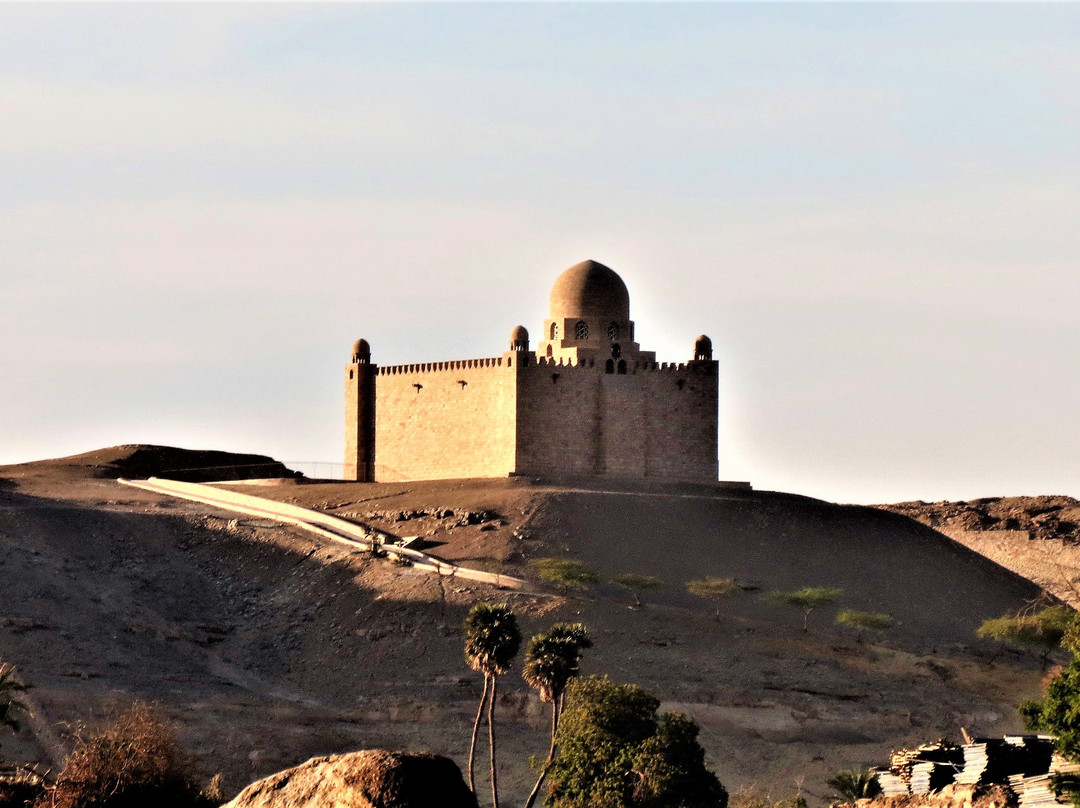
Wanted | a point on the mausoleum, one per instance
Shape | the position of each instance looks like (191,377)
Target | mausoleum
(588,401)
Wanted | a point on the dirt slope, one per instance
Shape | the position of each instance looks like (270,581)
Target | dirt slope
(1036,537)
(269,647)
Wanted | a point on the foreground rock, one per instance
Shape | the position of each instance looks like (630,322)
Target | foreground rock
(373,778)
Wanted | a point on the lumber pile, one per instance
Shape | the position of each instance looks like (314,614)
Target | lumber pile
(1026,763)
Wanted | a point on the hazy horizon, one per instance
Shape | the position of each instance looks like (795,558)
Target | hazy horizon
(872,209)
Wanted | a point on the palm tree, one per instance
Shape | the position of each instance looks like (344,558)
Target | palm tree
(551,661)
(9,705)
(492,640)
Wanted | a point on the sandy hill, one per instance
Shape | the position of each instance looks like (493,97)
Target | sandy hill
(269,646)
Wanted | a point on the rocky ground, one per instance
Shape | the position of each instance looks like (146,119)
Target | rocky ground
(269,646)
(1042,518)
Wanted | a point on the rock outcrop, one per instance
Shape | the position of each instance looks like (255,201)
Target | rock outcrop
(373,778)
(1053,517)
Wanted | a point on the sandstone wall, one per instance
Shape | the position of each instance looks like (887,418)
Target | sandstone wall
(656,420)
(495,417)
(443,428)
(681,421)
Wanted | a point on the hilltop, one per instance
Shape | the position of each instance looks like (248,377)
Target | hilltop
(269,646)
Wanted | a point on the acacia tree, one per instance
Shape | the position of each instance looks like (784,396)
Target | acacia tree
(1044,629)
(637,583)
(9,703)
(807,599)
(492,639)
(551,661)
(714,589)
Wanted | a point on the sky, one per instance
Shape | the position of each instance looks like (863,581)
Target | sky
(872,209)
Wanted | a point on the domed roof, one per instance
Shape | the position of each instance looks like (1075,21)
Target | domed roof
(519,334)
(590,289)
(703,342)
(361,348)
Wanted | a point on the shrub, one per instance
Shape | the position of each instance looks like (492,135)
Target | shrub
(864,621)
(564,571)
(133,763)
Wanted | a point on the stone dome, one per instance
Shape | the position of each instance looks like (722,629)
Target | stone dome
(590,289)
(702,348)
(361,350)
(519,339)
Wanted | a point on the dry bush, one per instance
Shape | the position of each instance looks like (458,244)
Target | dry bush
(135,762)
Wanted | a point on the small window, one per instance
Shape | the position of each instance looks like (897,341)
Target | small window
(554,332)
(549,352)
(581,330)
(609,366)
(613,332)
(622,367)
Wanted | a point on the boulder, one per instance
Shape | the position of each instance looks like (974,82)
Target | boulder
(373,778)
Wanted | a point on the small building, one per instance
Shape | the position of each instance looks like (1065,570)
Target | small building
(587,402)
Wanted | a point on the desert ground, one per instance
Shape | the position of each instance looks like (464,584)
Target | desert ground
(267,645)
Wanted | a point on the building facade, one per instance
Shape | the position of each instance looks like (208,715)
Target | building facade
(587,401)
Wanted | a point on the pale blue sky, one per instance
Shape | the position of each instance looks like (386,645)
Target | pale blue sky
(873,210)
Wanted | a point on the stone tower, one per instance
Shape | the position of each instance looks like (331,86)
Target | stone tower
(360,415)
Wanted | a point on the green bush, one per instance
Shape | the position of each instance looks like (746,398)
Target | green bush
(564,571)
(864,621)
(616,752)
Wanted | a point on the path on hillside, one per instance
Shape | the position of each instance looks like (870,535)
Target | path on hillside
(324,525)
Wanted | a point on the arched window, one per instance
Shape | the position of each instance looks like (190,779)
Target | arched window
(609,366)
(616,351)
(554,333)
(622,367)
(549,352)
(581,330)
(613,332)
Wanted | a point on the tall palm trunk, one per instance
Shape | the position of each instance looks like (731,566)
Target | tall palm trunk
(551,753)
(475,733)
(491,742)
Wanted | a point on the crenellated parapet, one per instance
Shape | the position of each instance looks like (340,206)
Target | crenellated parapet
(438,367)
